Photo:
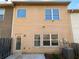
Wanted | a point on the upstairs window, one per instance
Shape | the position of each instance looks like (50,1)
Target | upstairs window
(52,14)
(21,13)
(2,12)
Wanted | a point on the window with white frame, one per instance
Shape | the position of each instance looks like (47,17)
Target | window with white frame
(36,40)
(50,39)
(21,13)
(46,40)
(52,14)
(54,39)
(2,12)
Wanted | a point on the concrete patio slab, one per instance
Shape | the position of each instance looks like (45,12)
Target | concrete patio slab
(27,56)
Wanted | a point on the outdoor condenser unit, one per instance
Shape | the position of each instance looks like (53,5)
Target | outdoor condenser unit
(75,47)
(68,53)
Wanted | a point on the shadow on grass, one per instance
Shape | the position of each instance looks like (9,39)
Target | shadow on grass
(52,56)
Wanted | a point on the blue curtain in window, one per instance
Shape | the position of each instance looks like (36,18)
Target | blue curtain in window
(48,15)
(21,13)
(2,14)
(1,11)
(55,14)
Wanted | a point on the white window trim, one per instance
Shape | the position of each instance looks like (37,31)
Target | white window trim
(17,11)
(52,14)
(4,14)
(37,40)
(50,40)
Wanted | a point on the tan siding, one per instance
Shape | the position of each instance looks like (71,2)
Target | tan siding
(34,23)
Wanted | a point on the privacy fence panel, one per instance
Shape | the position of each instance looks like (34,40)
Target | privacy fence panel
(75,47)
(68,53)
(5,47)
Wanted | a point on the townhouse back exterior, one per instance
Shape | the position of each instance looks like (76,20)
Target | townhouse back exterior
(37,27)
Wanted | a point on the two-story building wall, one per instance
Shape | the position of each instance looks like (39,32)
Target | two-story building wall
(39,27)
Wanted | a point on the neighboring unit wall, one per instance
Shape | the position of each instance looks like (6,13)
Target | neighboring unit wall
(75,25)
(6,23)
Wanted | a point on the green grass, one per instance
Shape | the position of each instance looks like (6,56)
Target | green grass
(55,56)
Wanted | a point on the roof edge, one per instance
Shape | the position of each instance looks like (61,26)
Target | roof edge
(43,2)
(73,11)
(35,3)
(6,4)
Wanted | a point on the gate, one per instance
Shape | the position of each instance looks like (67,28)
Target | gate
(5,47)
